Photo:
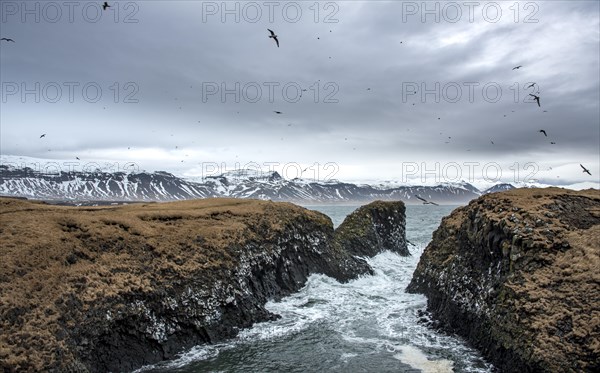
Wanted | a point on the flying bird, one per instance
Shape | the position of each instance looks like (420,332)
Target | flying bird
(585,170)
(274,37)
(426,202)
(77,158)
(44,135)
(277,112)
(544,132)
(552,143)
(536,98)
(105,5)
(531,85)
(517,67)
(7,39)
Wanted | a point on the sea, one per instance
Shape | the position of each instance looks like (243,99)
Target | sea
(366,325)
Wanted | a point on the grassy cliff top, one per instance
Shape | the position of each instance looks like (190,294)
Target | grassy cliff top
(531,201)
(44,246)
(49,253)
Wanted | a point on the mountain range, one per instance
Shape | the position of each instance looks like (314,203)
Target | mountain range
(123,186)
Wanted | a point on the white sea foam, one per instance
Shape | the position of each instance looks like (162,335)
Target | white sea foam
(371,317)
(414,357)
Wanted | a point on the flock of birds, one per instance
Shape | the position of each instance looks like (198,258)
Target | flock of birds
(275,37)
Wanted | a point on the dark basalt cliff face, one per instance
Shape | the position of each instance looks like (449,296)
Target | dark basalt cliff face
(374,228)
(114,288)
(518,274)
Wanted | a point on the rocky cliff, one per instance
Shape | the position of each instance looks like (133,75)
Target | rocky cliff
(518,274)
(374,228)
(114,288)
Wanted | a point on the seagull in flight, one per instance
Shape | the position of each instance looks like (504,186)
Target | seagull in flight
(426,202)
(517,67)
(536,98)
(44,135)
(105,5)
(7,39)
(585,170)
(544,132)
(531,85)
(274,37)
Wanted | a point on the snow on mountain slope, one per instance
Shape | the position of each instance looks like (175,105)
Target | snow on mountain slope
(75,181)
(98,185)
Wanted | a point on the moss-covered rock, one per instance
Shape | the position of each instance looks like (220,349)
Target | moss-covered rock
(518,274)
(374,228)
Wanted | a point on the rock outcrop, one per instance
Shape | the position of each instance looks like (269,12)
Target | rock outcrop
(518,274)
(374,228)
(114,288)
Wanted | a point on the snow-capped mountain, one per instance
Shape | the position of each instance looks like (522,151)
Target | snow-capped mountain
(499,188)
(21,180)
(162,186)
(115,186)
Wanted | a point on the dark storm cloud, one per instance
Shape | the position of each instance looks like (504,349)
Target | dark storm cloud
(367,61)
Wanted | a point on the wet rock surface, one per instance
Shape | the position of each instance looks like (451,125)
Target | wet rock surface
(115,288)
(518,274)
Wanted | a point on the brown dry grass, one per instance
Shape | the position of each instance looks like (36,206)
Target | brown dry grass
(50,252)
(558,303)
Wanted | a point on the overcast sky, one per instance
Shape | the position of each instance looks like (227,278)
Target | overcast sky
(370,70)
